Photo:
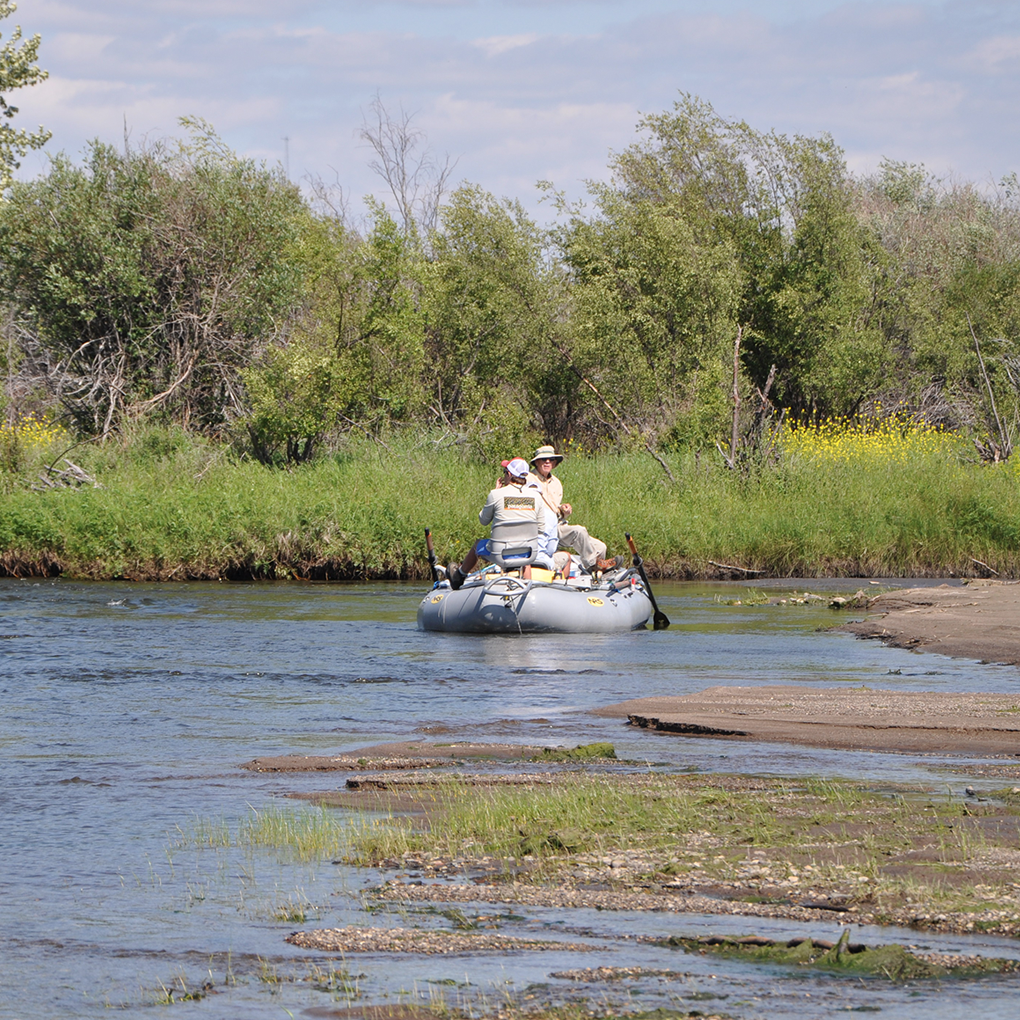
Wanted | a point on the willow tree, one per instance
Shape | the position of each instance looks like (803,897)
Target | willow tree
(491,304)
(145,281)
(656,283)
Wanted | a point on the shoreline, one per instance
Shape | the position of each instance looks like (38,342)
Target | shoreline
(246,568)
(978,621)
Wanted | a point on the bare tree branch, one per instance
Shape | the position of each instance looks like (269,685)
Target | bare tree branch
(416,178)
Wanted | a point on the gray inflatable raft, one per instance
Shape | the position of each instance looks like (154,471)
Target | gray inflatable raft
(506,604)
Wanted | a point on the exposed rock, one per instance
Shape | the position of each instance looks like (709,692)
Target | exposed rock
(400,940)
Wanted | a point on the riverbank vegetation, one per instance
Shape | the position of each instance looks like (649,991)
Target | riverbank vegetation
(753,359)
(158,504)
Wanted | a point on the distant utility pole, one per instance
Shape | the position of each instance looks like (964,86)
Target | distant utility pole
(286,155)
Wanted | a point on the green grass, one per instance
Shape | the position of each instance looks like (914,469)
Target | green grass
(174,506)
(306,834)
(583,752)
(602,815)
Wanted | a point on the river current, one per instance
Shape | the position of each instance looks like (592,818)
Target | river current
(125,711)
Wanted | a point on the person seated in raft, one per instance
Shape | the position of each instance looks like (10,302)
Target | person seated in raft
(591,551)
(517,515)
(548,558)
(549,539)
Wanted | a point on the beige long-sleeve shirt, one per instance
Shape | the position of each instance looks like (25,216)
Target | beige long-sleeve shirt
(552,491)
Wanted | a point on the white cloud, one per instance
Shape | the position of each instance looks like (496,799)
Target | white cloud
(512,147)
(78,47)
(991,54)
(497,44)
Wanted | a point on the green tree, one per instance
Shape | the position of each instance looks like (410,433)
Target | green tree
(952,254)
(817,307)
(352,356)
(709,225)
(147,280)
(657,280)
(17,70)
(654,315)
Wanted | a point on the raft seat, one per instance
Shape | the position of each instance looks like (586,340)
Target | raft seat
(512,557)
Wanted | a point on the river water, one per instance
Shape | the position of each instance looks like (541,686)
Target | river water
(126,709)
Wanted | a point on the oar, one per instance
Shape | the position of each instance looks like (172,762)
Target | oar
(660,621)
(432,555)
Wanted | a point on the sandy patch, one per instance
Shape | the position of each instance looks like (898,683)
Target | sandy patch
(402,940)
(852,718)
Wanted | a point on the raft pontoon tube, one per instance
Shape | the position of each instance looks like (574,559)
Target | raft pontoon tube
(493,602)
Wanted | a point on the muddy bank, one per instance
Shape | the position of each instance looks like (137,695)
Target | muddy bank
(979,621)
(850,718)
(408,564)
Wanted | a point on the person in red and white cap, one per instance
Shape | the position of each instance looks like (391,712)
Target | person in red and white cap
(516,514)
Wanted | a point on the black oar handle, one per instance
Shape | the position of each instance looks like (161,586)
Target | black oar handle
(432,555)
(660,621)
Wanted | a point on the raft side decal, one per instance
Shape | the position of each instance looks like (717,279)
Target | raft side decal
(436,599)
(595,602)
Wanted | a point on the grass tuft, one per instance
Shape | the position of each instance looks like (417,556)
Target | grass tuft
(306,833)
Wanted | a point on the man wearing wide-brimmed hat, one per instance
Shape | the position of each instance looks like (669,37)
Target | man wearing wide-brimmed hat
(590,550)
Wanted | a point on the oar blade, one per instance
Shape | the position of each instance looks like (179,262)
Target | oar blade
(432,555)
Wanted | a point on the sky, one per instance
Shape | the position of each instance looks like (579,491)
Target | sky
(518,91)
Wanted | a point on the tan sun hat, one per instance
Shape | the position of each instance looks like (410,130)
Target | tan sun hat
(547,452)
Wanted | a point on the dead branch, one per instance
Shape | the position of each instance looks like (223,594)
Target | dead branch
(729,566)
(416,179)
(70,478)
(662,463)
(166,393)
(981,563)
(1005,447)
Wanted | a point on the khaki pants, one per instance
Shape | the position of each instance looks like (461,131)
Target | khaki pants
(589,550)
